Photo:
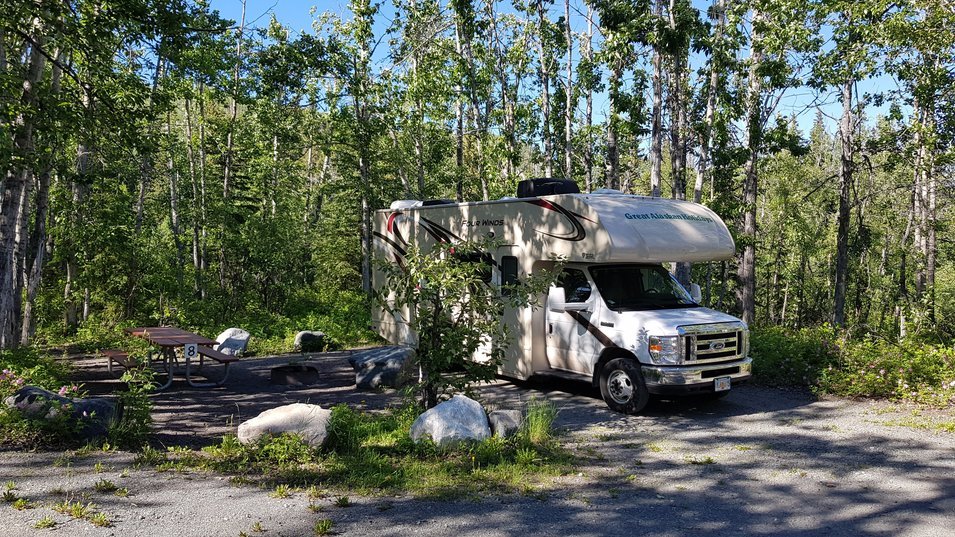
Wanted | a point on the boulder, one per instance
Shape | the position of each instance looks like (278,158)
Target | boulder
(94,415)
(310,341)
(309,422)
(391,367)
(233,341)
(460,419)
(505,423)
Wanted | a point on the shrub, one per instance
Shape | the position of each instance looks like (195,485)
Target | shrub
(792,357)
(132,430)
(909,370)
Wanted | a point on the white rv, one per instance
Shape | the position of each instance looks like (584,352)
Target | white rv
(615,317)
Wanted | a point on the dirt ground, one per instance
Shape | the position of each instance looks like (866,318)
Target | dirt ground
(760,461)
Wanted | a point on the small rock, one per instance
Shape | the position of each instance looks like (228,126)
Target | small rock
(391,367)
(93,414)
(233,341)
(505,423)
(311,341)
(457,420)
(309,422)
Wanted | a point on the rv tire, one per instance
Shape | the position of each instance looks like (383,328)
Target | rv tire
(622,386)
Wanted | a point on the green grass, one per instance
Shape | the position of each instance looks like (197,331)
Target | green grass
(373,453)
(44,523)
(323,527)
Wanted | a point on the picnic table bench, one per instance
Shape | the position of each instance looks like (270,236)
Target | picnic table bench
(170,338)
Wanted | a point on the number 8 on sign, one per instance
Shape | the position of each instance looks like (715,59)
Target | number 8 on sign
(191,350)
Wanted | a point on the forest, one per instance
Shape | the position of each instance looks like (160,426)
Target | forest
(163,164)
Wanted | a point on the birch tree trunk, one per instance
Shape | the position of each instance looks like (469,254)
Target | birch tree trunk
(746,271)
(656,125)
(569,90)
(704,170)
(545,92)
(14,208)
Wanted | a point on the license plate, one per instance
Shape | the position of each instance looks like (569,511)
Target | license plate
(721,384)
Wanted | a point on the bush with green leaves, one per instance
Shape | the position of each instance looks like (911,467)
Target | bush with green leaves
(447,298)
(132,429)
(784,357)
(909,370)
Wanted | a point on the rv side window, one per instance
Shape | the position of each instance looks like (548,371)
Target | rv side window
(482,262)
(575,284)
(508,273)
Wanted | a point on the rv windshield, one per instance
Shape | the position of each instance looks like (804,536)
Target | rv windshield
(640,287)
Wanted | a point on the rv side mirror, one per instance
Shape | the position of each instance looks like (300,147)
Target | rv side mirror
(557,299)
(695,293)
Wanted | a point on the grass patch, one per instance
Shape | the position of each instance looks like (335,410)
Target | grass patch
(371,453)
(323,527)
(45,523)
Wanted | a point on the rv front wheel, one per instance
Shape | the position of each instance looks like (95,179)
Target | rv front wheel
(622,386)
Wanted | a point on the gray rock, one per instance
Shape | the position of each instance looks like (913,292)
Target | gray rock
(94,415)
(505,423)
(391,367)
(460,419)
(310,341)
(309,422)
(233,341)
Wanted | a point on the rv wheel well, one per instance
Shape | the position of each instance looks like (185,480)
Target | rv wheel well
(607,355)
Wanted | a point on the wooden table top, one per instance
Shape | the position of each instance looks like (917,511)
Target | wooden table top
(169,336)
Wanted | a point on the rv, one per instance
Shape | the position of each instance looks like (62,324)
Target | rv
(615,316)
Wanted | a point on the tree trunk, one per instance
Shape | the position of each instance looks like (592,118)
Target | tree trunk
(845,190)
(588,55)
(14,208)
(746,272)
(613,152)
(38,245)
(569,108)
(656,126)
(704,169)
(174,223)
(545,92)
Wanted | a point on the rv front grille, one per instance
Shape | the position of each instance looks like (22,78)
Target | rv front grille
(704,345)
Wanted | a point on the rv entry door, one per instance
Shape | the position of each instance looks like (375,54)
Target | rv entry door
(571,306)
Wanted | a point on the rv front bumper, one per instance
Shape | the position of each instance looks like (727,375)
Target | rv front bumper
(694,379)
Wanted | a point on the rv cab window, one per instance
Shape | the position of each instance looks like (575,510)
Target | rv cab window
(508,273)
(639,287)
(576,285)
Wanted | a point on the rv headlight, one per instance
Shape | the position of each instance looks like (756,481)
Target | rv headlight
(666,349)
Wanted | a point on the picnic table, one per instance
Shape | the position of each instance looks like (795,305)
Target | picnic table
(169,339)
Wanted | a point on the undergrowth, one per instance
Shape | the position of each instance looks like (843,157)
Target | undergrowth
(370,453)
(909,370)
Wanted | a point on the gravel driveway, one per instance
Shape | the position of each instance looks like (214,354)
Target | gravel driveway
(760,461)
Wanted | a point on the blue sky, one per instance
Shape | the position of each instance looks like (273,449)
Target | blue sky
(296,14)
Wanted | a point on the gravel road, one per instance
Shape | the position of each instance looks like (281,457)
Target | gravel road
(760,461)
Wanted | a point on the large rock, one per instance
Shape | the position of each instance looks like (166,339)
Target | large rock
(505,423)
(233,341)
(309,422)
(311,341)
(391,367)
(460,419)
(94,415)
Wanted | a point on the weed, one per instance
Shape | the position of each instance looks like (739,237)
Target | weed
(124,473)
(121,492)
(9,496)
(323,527)
(22,503)
(315,508)
(525,456)
(281,491)
(700,460)
(539,421)
(100,520)
(743,447)
(257,527)
(654,447)
(10,485)
(105,485)
(342,501)
(44,523)
(314,492)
